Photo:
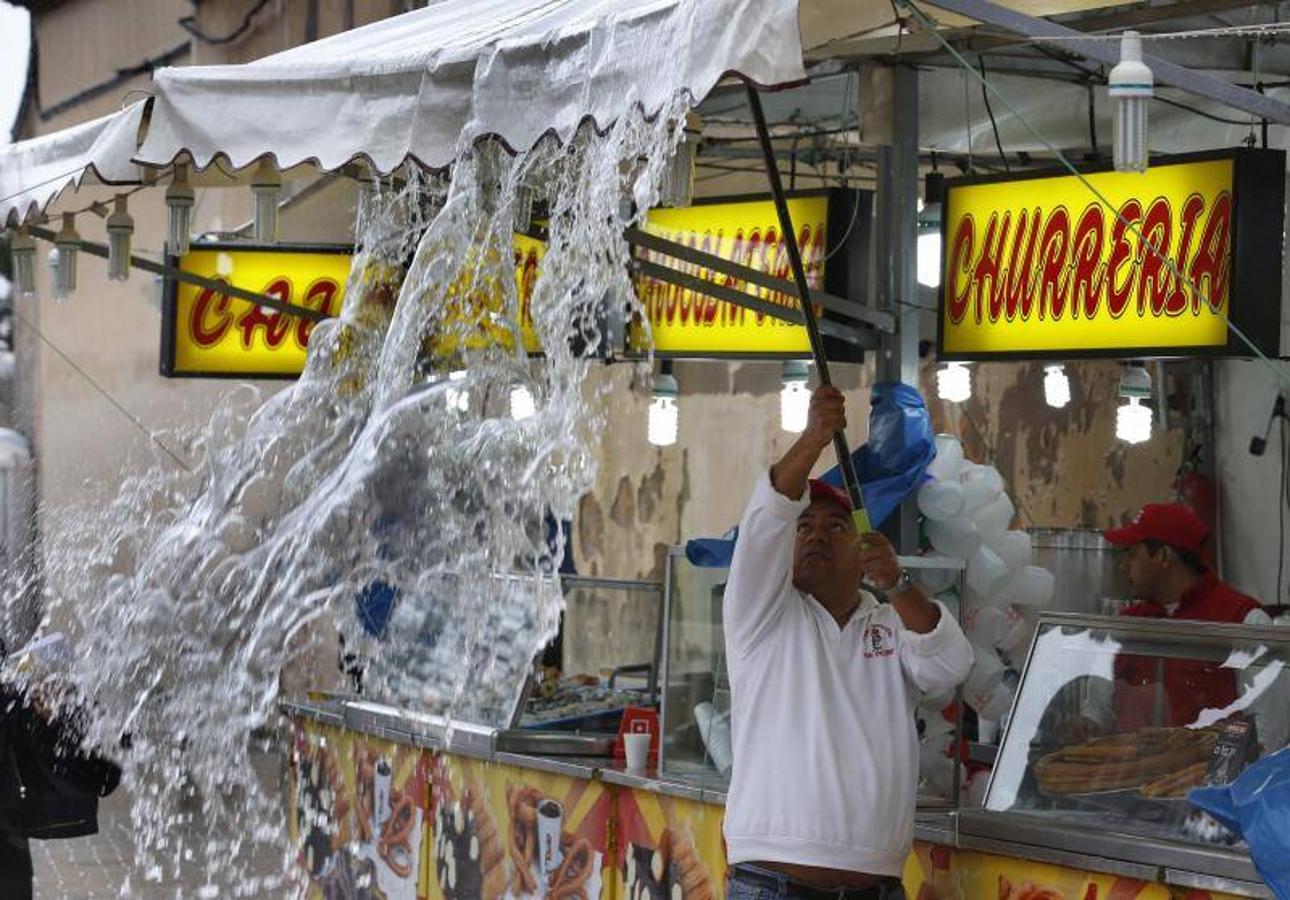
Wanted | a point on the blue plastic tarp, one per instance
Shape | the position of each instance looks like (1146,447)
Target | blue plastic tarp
(1257,806)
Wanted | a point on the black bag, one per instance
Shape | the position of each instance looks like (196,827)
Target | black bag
(49,787)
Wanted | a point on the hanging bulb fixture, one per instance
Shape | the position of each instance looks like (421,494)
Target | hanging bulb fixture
(1133,420)
(794,398)
(266,185)
(120,229)
(22,247)
(522,404)
(523,201)
(954,382)
(1057,386)
(677,189)
(68,243)
(59,291)
(180,198)
(1130,86)
(663,411)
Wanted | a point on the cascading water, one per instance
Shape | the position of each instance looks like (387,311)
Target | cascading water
(375,470)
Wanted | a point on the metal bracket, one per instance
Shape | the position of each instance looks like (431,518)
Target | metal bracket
(148,265)
(876,319)
(1108,52)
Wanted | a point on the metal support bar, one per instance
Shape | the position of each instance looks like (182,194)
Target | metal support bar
(748,301)
(852,310)
(236,293)
(845,463)
(1108,52)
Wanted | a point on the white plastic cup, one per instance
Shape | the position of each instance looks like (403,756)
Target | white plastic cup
(636,746)
(550,823)
(1030,586)
(941,500)
(1015,548)
(1020,631)
(981,485)
(956,537)
(993,519)
(985,674)
(985,570)
(949,457)
(986,625)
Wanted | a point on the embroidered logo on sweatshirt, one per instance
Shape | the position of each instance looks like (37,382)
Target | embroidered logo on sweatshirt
(879,640)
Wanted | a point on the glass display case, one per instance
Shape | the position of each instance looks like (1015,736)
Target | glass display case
(695,701)
(1118,717)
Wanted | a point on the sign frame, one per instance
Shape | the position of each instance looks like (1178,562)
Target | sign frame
(1258,207)
(170,306)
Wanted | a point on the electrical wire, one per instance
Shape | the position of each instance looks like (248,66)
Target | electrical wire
(189,24)
(994,126)
(1242,32)
(933,27)
(134,420)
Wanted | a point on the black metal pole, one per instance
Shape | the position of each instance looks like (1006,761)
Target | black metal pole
(789,237)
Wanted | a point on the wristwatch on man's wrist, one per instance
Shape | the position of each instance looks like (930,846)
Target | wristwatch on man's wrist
(903,582)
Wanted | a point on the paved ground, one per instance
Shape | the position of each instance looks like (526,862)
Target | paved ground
(95,868)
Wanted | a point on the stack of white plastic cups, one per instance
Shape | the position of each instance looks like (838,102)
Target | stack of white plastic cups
(968,516)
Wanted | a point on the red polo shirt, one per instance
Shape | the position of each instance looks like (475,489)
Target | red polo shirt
(1190,685)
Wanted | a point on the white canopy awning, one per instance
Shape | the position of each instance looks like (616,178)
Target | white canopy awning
(415,86)
(33,173)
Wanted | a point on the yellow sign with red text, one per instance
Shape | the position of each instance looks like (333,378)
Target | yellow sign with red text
(211,333)
(745,232)
(1041,266)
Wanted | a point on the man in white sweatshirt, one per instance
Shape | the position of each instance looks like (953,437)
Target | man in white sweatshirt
(824,680)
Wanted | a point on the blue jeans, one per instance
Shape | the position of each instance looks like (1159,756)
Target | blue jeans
(746,882)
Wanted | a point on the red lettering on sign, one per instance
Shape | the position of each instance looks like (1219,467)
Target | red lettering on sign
(1209,268)
(1157,225)
(1086,255)
(1176,305)
(1018,285)
(987,267)
(960,264)
(207,331)
(1119,292)
(1053,288)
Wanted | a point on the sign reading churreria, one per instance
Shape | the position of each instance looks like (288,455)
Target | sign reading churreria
(1038,266)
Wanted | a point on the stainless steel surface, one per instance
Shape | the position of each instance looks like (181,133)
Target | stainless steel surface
(572,582)
(1086,572)
(1099,848)
(1073,858)
(1179,631)
(665,678)
(554,743)
(1201,882)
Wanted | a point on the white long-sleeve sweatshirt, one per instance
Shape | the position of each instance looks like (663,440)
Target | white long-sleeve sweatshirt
(825,746)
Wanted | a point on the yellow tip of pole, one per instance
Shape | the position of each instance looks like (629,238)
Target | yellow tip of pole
(861,519)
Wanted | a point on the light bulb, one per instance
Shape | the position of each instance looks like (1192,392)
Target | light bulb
(522,404)
(677,189)
(1133,422)
(664,414)
(1057,386)
(954,382)
(458,398)
(794,398)
(55,277)
(523,209)
(180,198)
(22,247)
(68,243)
(928,259)
(266,185)
(1130,87)
(120,229)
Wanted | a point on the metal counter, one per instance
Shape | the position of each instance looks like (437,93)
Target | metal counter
(1004,834)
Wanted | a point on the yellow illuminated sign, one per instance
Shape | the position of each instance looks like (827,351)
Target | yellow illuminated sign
(746,232)
(1041,267)
(211,333)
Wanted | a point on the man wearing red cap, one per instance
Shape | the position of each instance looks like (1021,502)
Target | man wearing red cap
(1164,560)
(823,685)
